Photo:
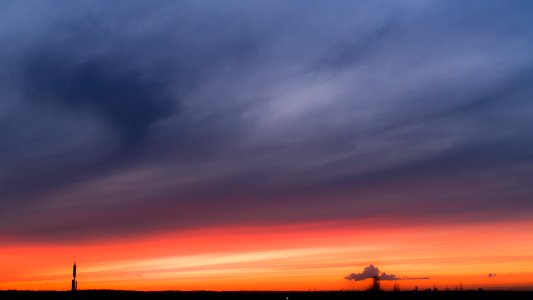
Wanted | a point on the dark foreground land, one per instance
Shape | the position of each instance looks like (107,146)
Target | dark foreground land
(133,295)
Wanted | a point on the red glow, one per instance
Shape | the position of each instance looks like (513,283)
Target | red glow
(303,257)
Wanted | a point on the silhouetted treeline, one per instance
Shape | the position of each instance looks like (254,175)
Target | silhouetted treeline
(199,295)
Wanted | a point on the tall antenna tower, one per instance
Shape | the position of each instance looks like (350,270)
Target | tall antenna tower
(74,281)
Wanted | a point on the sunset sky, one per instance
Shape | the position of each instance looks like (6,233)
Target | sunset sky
(266,145)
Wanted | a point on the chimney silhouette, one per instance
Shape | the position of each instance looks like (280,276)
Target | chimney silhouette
(74,281)
(375,287)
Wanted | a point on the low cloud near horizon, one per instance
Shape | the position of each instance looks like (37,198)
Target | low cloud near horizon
(372,271)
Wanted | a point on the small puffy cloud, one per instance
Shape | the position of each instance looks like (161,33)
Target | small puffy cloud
(491,275)
(368,272)
(372,271)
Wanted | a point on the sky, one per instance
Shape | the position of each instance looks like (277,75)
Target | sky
(273,145)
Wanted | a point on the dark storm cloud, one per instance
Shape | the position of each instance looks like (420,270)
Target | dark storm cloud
(146,115)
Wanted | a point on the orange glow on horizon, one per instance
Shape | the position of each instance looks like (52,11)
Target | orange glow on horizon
(296,257)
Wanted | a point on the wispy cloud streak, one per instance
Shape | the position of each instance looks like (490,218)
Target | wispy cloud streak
(150,116)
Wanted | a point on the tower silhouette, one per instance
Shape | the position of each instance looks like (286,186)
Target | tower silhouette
(375,287)
(74,281)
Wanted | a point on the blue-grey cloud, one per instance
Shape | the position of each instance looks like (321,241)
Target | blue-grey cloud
(149,115)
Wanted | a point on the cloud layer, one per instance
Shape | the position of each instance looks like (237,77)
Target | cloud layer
(121,118)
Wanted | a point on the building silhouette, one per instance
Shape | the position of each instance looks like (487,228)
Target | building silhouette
(396,287)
